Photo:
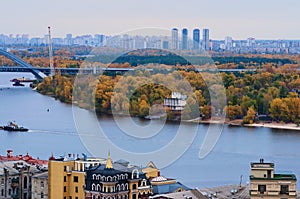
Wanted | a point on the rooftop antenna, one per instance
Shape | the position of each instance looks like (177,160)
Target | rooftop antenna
(52,70)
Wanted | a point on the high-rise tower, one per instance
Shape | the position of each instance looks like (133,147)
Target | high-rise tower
(174,38)
(184,39)
(205,40)
(196,39)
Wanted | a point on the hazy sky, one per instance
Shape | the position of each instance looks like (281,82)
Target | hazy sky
(262,19)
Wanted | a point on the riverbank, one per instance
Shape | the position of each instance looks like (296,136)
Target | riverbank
(272,125)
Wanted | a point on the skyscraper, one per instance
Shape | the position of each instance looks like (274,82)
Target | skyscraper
(184,39)
(174,38)
(196,39)
(205,40)
(228,43)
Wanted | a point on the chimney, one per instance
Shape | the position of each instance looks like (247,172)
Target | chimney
(9,153)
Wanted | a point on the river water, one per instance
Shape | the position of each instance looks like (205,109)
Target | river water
(54,132)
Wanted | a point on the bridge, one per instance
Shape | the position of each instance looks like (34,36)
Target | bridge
(38,74)
(67,71)
(41,73)
(98,70)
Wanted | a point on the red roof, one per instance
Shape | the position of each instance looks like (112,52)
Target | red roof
(27,158)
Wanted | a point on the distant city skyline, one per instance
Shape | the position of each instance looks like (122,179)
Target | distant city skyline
(266,19)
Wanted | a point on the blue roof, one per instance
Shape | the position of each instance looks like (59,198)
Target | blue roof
(168,188)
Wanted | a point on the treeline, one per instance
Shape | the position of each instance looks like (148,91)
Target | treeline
(137,94)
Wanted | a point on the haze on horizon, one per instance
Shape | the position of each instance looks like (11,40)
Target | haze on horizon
(267,19)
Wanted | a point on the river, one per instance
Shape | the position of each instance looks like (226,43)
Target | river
(54,132)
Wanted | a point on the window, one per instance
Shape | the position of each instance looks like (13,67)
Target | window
(284,189)
(2,181)
(262,188)
(75,178)
(65,178)
(70,197)
(25,182)
(134,186)
(76,197)
(9,192)
(42,184)
(76,189)
(2,192)
(65,189)
(65,168)
(42,195)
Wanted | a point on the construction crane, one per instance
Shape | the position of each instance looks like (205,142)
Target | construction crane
(52,69)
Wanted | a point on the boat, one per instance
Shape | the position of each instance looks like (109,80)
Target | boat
(11,126)
(18,84)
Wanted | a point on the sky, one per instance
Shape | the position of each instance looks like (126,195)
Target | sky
(240,19)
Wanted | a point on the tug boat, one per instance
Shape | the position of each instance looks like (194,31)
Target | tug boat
(11,126)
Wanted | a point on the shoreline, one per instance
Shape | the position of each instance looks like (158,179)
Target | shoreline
(214,120)
(272,125)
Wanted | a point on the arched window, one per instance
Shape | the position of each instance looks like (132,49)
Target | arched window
(25,182)
(94,176)
(93,187)
(98,187)
(109,179)
(99,177)
(118,187)
(126,186)
(126,176)
(144,182)
(134,186)
(94,197)
(122,187)
(135,174)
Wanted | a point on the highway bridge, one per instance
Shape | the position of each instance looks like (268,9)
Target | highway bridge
(96,70)
(38,74)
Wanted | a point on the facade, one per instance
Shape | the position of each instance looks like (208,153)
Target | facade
(39,187)
(265,183)
(116,181)
(15,178)
(176,102)
(184,39)
(9,178)
(205,39)
(174,39)
(66,178)
(196,39)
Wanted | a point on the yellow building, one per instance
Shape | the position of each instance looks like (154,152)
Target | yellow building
(265,183)
(66,179)
(151,170)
